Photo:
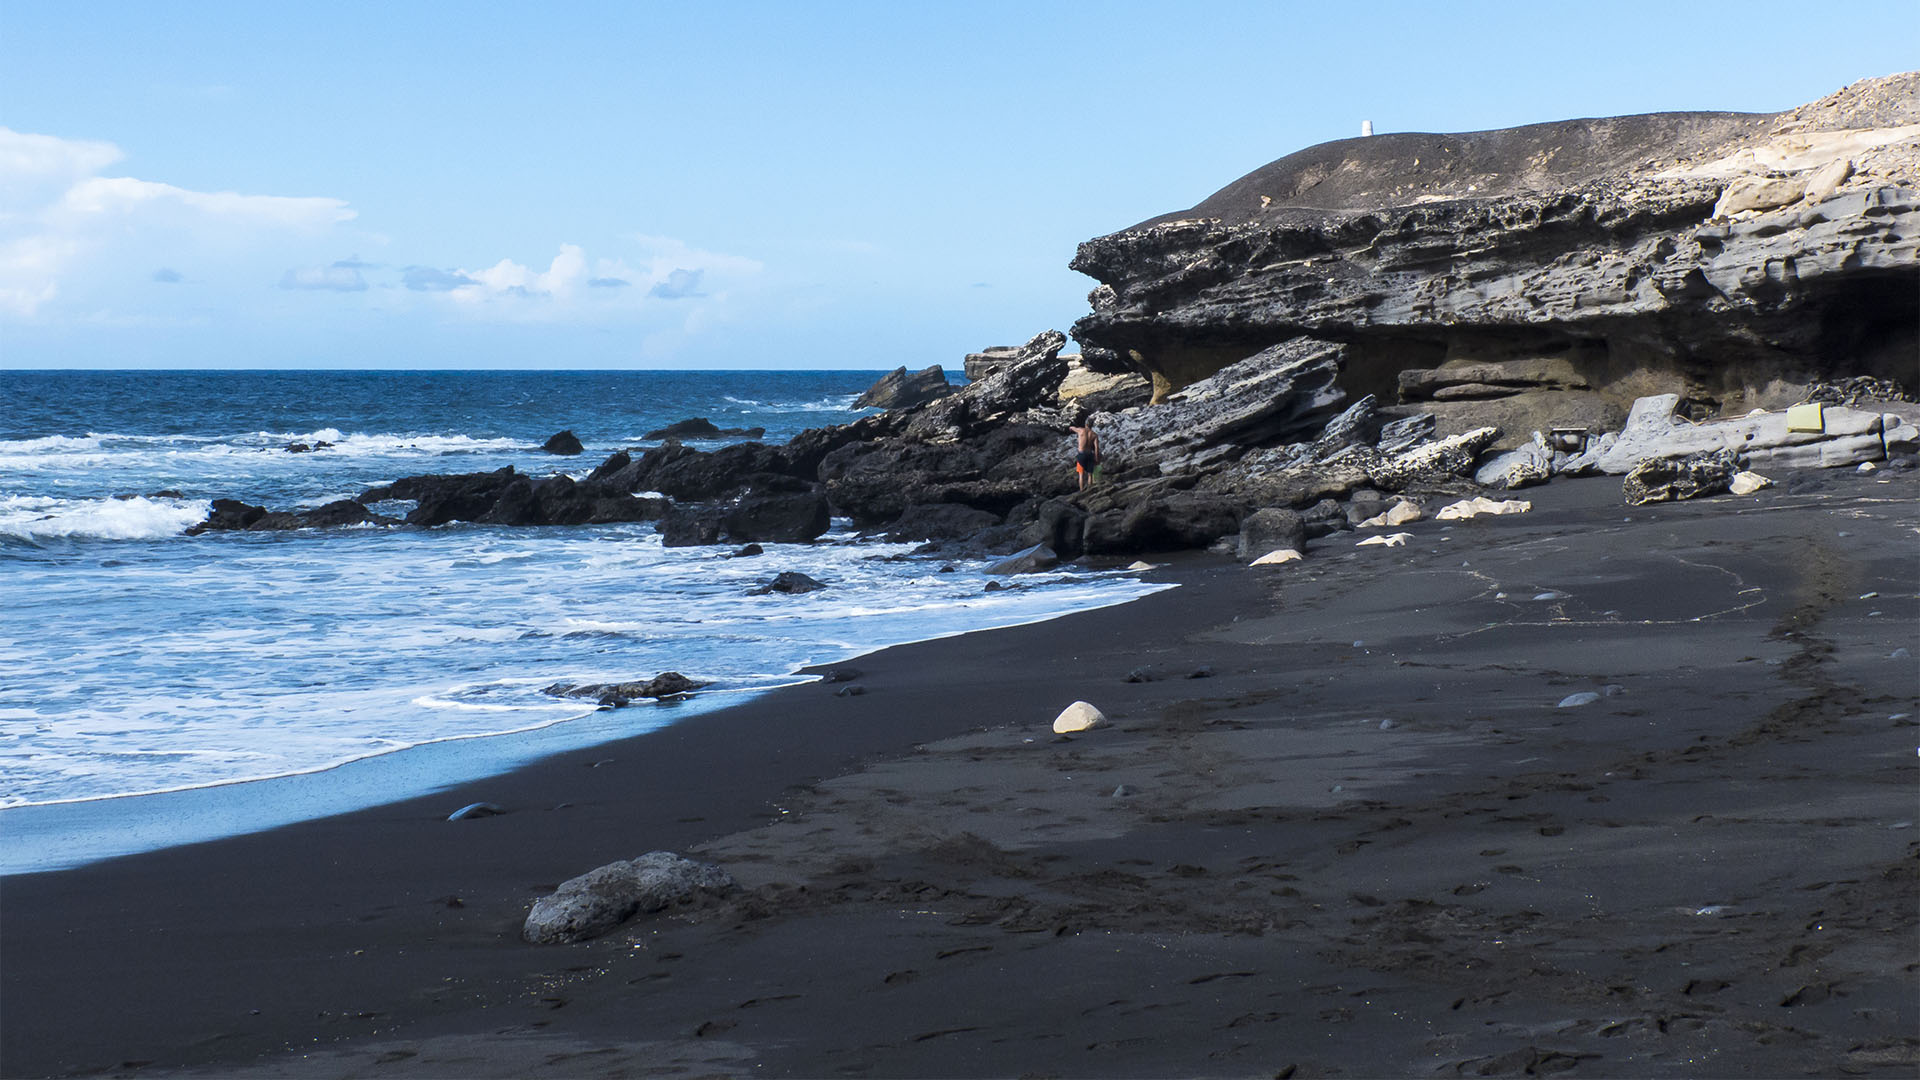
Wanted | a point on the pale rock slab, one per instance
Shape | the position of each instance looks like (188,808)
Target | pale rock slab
(1400,513)
(1467,509)
(1275,558)
(1078,717)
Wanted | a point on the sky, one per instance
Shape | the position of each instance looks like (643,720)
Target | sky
(730,185)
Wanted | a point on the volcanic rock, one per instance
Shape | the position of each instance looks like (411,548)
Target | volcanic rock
(1545,276)
(899,390)
(1046,344)
(699,427)
(790,519)
(1032,560)
(1709,472)
(791,582)
(618,695)
(1271,529)
(563,442)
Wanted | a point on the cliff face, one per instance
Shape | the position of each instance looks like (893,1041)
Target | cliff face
(1547,275)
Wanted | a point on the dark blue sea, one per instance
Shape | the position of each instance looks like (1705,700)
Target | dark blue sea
(316,671)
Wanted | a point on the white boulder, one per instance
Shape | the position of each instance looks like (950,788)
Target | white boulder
(1078,716)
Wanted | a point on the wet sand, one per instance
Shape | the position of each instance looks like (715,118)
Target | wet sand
(1369,842)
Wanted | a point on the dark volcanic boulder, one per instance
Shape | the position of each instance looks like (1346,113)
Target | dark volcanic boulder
(682,472)
(1690,477)
(1044,345)
(689,526)
(1033,560)
(789,519)
(1270,529)
(336,513)
(939,521)
(699,427)
(791,582)
(875,482)
(231,515)
(563,442)
(228,515)
(1161,519)
(664,685)
(899,390)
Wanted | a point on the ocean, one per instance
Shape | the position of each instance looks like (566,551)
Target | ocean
(157,688)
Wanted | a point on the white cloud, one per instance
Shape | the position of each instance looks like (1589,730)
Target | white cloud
(66,229)
(335,278)
(574,288)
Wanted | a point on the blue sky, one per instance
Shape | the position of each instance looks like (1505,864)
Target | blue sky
(754,185)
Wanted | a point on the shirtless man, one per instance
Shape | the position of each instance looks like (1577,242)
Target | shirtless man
(1086,456)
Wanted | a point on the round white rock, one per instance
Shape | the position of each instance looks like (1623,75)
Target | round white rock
(1078,716)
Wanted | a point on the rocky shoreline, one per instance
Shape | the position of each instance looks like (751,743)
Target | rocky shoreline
(1410,317)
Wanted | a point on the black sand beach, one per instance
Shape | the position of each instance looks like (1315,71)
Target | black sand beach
(1368,843)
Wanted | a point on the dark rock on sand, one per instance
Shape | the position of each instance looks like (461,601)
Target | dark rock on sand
(564,443)
(1033,560)
(1270,529)
(1705,473)
(791,582)
(599,900)
(900,390)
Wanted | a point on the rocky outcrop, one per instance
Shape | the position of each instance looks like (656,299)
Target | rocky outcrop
(565,443)
(232,515)
(506,497)
(699,427)
(1709,472)
(667,684)
(899,390)
(1046,344)
(1547,276)
(1814,436)
(1097,391)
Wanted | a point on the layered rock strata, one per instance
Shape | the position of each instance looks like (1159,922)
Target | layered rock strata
(1547,275)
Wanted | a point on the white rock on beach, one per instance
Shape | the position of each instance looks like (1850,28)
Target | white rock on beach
(1399,513)
(1078,716)
(1391,540)
(1274,558)
(1480,504)
(1746,483)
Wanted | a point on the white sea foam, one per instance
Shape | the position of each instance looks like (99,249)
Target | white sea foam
(836,403)
(40,517)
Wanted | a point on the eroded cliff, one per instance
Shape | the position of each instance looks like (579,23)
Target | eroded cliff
(1547,275)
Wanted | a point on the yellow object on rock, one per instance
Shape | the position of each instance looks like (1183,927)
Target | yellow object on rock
(1811,417)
